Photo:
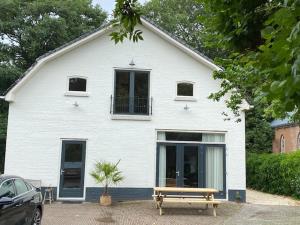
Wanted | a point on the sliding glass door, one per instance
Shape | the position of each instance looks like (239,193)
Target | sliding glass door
(191,165)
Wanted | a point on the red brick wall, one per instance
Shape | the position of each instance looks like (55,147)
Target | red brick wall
(290,134)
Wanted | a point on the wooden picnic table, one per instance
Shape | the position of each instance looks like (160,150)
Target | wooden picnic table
(183,195)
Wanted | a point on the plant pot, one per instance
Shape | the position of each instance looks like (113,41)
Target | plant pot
(105,200)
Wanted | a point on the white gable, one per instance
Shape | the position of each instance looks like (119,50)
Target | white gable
(40,62)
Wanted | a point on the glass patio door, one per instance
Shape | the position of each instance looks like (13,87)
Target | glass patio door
(178,165)
(191,165)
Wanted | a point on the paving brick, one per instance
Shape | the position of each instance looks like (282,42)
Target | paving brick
(145,213)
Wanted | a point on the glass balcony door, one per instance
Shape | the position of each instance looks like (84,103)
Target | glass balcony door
(131,95)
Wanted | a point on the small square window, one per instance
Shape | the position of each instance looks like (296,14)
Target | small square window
(77,84)
(185,89)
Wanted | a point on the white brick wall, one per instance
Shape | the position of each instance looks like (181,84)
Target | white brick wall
(41,115)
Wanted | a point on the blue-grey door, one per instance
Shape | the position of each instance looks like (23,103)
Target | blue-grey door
(72,169)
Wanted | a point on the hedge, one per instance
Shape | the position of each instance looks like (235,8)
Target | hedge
(274,173)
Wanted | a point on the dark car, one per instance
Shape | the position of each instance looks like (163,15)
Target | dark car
(20,202)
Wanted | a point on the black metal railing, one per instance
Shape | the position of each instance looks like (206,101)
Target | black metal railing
(131,105)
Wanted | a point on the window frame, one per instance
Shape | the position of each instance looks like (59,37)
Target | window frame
(77,93)
(158,140)
(131,113)
(183,97)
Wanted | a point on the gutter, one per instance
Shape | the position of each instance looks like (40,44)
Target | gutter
(2,97)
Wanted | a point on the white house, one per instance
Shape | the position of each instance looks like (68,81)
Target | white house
(144,103)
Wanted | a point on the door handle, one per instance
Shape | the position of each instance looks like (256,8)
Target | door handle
(177,172)
(62,172)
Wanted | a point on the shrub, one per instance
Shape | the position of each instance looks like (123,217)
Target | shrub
(274,173)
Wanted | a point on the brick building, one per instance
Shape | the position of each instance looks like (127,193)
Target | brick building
(286,136)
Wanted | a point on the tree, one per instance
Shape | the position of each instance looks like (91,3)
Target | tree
(31,28)
(180,18)
(265,59)
(259,133)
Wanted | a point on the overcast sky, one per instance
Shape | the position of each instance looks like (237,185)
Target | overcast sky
(108,5)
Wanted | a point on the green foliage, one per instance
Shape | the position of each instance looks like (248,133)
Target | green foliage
(237,24)
(274,173)
(106,173)
(259,133)
(263,39)
(180,18)
(127,15)
(31,28)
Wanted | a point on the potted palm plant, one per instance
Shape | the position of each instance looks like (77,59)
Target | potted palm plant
(106,173)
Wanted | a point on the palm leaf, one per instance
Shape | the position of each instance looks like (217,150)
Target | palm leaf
(106,173)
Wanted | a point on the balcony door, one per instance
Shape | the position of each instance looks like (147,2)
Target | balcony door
(131,94)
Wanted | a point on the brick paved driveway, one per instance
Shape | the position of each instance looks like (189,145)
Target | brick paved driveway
(144,212)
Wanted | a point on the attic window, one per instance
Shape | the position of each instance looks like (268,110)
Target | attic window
(77,84)
(185,89)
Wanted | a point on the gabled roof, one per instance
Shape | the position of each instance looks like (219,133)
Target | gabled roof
(9,94)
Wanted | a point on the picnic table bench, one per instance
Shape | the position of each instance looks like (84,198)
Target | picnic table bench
(203,196)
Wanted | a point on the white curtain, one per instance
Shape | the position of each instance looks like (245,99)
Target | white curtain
(214,168)
(162,160)
(213,137)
